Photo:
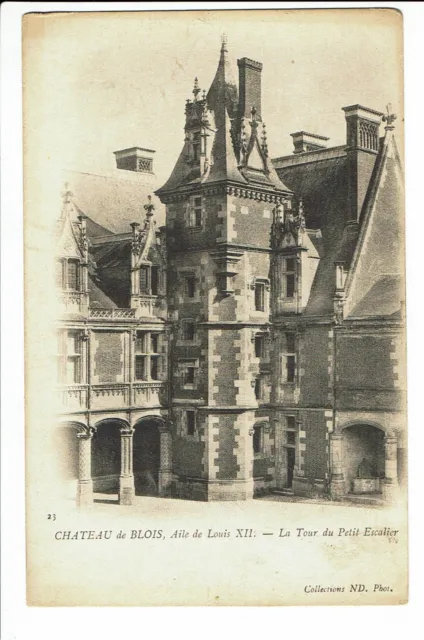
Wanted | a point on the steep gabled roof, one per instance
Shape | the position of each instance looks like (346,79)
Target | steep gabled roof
(374,285)
(112,202)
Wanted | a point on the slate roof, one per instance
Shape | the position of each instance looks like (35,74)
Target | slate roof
(98,299)
(112,202)
(382,299)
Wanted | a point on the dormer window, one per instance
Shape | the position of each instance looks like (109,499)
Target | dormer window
(68,274)
(289,277)
(149,279)
(73,275)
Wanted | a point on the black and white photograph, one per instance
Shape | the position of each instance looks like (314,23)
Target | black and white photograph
(215,308)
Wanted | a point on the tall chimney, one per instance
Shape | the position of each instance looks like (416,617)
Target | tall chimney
(304,142)
(135,159)
(362,144)
(249,87)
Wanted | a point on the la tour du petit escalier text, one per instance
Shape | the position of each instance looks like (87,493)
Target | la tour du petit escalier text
(296,533)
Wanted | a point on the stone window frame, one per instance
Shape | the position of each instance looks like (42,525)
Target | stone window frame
(62,273)
(182,424)
(182,369)
(291,429)
(265,283)
(259,387)
(193,413)
(64,356)
(289,353)
(182,338)
(285,272)
(196,209)
(264,428)
(259,337)
(183,274)
(148,267)
(147,355)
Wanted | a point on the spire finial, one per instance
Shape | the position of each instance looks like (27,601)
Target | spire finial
(391,117)
(196,89)
(224,42)
(149,208)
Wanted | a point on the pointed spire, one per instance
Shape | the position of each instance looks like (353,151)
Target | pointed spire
(223,91)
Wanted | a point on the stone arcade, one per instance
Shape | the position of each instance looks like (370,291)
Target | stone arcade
(253,343)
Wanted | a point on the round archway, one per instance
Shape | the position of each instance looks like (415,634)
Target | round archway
(146,456)
(106,457)
(363,458)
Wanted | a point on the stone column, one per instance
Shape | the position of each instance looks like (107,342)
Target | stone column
(280,465)
(126,479)
(337,480)
(165,469)
(85,482)
(390,482)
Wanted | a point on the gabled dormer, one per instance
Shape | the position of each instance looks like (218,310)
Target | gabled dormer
(71,265)
(296,256)
(148,267)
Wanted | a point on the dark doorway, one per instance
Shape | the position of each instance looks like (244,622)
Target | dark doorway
(290,466)
(146,449)
(106,458)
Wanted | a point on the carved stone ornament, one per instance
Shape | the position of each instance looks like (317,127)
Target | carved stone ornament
(288,227)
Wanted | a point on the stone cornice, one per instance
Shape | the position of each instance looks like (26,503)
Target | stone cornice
(226,188)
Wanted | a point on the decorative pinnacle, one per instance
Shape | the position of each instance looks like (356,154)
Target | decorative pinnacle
(196,89)
(224,42)
(391,117)
(149,208)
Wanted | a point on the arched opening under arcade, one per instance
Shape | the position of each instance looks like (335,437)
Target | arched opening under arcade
(146,456)
(363,458)
(106,457)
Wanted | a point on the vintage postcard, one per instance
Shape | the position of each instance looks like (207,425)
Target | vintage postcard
(215,308)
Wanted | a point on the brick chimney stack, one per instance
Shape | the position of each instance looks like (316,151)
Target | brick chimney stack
(135,159)
(249,87)
(304,142)
(362,144)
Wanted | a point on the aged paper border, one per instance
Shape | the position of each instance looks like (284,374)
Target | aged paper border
(13,473)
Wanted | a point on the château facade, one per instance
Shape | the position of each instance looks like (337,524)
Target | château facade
(255,341)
